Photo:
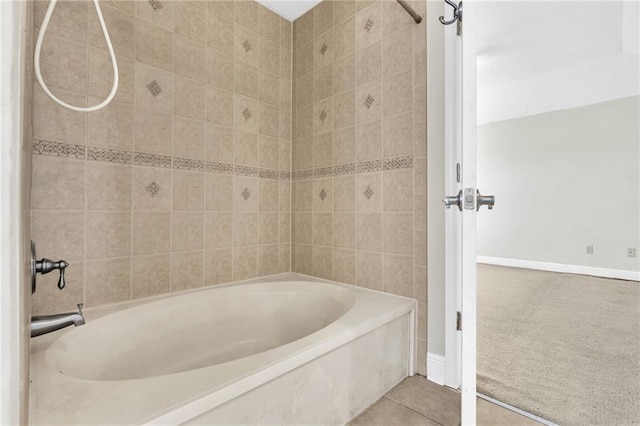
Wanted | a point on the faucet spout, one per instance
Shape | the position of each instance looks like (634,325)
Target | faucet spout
(48,323)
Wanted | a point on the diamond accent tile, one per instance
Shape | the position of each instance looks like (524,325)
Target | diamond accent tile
(369,100)
(156,4)
(246,194)
(154,88)
(153,189)
(368,192)
(323,116)
(247,46)
(246,113)
(323,48)
(323,194)
(368,25)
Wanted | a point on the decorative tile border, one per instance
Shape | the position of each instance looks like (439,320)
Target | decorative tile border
(163,161)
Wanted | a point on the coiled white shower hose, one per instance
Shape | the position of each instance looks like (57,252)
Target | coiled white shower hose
(114,64)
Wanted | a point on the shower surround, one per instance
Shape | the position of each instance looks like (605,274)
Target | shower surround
(185,180)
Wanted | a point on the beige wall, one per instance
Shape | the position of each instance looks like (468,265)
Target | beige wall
(359,148)
(146,196)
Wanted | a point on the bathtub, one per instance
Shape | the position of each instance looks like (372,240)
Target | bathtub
(292,351)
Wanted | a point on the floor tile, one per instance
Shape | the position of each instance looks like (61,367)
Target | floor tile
(429,399)
(490,414)
(386,412)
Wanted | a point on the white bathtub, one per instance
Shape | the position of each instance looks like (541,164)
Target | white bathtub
(286,352)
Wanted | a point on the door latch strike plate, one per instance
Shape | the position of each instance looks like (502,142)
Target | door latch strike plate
(470,198)
(459,321)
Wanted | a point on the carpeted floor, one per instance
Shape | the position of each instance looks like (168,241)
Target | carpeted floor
(563,347)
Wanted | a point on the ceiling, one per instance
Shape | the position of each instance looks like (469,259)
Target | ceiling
(289,9)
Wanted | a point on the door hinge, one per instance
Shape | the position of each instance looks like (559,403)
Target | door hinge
(459,321)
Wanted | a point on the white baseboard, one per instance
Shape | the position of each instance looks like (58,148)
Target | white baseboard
(435,368)
(558,267)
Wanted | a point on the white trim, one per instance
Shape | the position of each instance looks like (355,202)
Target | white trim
(435,368)
(559,267)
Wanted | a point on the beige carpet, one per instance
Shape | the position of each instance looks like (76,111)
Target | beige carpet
(563,347)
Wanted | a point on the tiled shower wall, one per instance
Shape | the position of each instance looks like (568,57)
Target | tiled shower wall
(359,148)
(184,179)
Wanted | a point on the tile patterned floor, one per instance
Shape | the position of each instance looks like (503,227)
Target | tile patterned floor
(419,402)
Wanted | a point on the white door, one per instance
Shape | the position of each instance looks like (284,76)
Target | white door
(462,201)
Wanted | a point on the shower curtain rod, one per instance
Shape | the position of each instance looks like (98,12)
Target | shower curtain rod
(410,10)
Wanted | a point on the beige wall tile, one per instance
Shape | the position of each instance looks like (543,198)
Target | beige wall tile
(217,266)
(345,40)
(285,125)
(101,76)
(323,262)
(397,135)
(344,193)
(269,24)
(286,33)
(368,25)
(269,88)
(247,114)
(249,201)
(186,270)
(108,234)
(398,94)
(320,186)
(323,16)
(58,235)
(303,196)
(151,232)
(188,137)
(268,228)
(369,270)
(285,196)
(398,274)
(219,192)
(286,95)
(108,186)
(398,233)
(420,175)
(107,281)
(344,110)
(189,98)
(420,284)
(344,266)
(323,150)
(164,16)
(420,248)
(395,18)
(369,102)
(247,82)
(269,191)
(247,14)
(344,230)
(53,176)
(323,50)
(302,229)
(285,228)
(369,141)
(369,63)
(420,212)
(303,91)
(322,82)
(303,123)
(420,139)
(142,198)
(269,56)
(126,6)
(154,44)
(111,127)
(247,46)
(268,149)
(190,57)
(121,33)
(246,148)
(369,231)
(303,28)
(344,146)
(286,65)
(218,230)
(48,299)
(284,258)
(420,103)
(303,62)
(52,122)
(153,132)
(245,229)
(225,9)
(397,52)
(220,35)
(302,154)
(188,190)
(344,73)
(63,64)
(302,259)
(323,116)
(70,20)
(342,10)
(220,69)
(191,20)
(146,98)
(245,263)
(398,190)
(149,275)
(219,143)
(268,260)
(372,203)
(269,120)
(187,231)
(323,229)
(220,106)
